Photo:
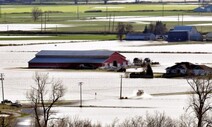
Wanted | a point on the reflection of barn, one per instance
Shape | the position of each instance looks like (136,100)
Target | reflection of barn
(77,59)
(184,33)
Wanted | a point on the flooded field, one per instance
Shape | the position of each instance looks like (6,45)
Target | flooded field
(101,89)
(29,27)
(148,19)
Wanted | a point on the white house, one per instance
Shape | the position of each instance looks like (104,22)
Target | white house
(186,68)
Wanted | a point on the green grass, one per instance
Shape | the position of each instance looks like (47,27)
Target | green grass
(83,8)
(4,107)
(21,14)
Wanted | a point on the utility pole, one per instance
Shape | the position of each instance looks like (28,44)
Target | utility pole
(182,19)
(162,8)
(41,22)
(109,22)
(2,84)
(45,20)
(106,12)
(113,22)
(0,11)
(121,88)
(56,29)
(78,12)
(80,84)
(5,17)
(178,20)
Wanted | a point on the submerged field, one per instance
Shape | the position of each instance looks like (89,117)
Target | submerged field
(71,18)
(162,95)
(101,89)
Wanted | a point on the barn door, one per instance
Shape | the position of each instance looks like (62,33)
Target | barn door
(115,64)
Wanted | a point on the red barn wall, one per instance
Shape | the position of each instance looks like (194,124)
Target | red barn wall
(61,65)
(116,57)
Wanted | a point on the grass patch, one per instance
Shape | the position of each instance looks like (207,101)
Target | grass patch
(4,107)
(67,15)
(83,8)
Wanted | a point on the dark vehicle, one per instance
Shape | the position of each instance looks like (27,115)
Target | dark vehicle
(6,101)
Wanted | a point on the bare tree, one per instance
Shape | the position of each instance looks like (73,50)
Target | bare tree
(201,100)
(36,13)
(159,120)
(133,122)
(120,30)
(43,99)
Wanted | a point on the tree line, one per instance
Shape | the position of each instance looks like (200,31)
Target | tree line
(159,28)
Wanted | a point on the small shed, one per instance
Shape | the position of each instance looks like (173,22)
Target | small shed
(207,8)
(90,59)
(208,36)
(140,36)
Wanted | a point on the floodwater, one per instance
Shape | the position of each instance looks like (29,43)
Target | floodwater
(101,90)
(28,27)
(123,1)
(148,19)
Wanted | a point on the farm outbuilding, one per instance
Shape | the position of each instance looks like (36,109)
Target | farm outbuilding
(184,33)
(208,36)
(207,8)
(140,36)
(90,59)
(187,69)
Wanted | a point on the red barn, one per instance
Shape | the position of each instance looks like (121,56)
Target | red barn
(91,59)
